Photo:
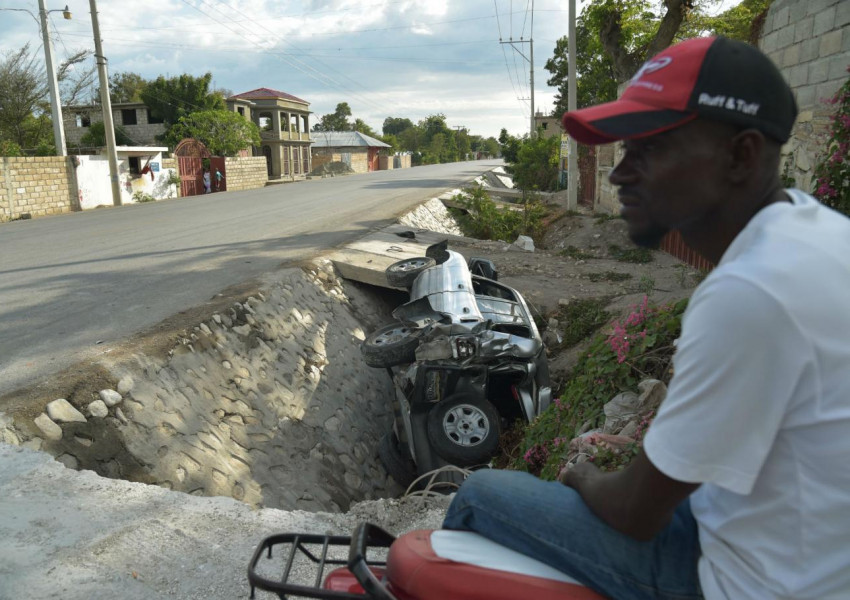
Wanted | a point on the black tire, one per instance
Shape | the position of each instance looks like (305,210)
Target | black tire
(396,460)
(464,429)
(391,345)
(403,273)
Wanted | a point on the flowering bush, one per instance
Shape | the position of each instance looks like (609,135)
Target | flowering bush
(636,348)
(832,174)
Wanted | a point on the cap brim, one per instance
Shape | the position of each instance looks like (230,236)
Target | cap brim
(621,120)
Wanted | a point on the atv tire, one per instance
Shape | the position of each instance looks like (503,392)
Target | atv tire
(464,429)
(403,273)
(391,345)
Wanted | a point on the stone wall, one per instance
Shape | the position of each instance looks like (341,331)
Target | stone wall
(36,186)
(810,42)
(245,173)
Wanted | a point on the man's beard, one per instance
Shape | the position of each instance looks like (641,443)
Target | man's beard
(650,238)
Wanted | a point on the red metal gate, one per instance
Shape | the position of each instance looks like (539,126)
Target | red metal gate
(190,154)
(191,175)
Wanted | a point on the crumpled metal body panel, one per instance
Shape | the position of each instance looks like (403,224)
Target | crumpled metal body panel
(448,287)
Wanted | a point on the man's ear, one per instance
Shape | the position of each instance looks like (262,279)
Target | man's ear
(747,149)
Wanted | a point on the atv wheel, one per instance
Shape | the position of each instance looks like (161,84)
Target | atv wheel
(403,273)
(396,460)
(464,429)
(391,345)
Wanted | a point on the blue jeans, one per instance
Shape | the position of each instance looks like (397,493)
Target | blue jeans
(550,522)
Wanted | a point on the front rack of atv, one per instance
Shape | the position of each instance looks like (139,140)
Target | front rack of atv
(314,550)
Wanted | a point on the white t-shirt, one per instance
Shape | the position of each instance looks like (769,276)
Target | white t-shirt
(758,410)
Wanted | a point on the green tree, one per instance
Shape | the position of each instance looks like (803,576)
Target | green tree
(491,146)
(361,126)
(335,121)
(223,132)
(22,97)
(509,146)
(126,87)
(536,165)
(175,97)
(95,137)
(395,125)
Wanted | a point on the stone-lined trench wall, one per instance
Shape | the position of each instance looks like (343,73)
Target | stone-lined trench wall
(268,402)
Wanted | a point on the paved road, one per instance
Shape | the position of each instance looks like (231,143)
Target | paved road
(74,285)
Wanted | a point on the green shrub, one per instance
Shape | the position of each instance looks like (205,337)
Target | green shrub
(484,220)
(636,348)
(582,318)
(143,197)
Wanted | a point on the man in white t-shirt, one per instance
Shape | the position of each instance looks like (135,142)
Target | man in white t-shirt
(742,489)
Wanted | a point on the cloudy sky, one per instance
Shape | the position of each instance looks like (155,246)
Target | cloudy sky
(399,58)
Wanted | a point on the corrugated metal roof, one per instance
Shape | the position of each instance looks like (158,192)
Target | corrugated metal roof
(260,93)
(343,139)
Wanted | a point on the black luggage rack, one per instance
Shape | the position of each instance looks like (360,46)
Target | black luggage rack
(315,548)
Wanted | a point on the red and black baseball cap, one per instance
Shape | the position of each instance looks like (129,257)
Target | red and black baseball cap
(714,78)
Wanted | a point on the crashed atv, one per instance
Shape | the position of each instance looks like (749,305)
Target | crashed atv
(466,359)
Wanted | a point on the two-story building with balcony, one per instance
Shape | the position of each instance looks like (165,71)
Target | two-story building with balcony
(284,122)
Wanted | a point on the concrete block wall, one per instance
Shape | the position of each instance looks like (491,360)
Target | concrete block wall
(245,173)
(36,186)
(359,158)
(810,42)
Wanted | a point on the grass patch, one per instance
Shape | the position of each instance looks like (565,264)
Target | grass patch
(630,255)
(576,253)
(608,276)
(582,318)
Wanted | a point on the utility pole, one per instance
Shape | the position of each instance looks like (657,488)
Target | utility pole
(531,52)
(108,127)
(530,60)
(55,104)
(572,166)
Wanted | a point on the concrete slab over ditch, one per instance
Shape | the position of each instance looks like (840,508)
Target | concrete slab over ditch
(366,259)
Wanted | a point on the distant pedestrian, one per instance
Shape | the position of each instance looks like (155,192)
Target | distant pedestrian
(218,179)
(207,189)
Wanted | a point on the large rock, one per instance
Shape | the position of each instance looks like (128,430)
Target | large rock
(524,242)
(620,410)
(61,410)
(652,394)
(48,427)
(110,397)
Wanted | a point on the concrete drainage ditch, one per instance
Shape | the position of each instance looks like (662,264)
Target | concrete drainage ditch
(267,402)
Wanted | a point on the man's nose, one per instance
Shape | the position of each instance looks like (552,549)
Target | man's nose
(622,174)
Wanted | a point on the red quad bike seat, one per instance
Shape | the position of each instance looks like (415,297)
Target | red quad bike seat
(462,565)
